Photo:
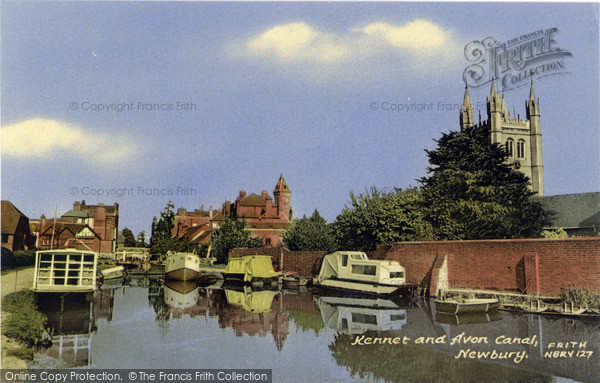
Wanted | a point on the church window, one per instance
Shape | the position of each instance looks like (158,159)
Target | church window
(509,147)
(521,149)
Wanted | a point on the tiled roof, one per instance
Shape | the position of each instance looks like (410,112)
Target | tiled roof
(10,217)
(78,214)
(252,200)
(574,210)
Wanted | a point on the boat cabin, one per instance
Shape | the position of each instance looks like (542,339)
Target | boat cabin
(250,269)
(65,270)
(354,265)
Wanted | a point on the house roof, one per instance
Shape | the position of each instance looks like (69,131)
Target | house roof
(252,200)
(578,210)
(10,217)
(78,214)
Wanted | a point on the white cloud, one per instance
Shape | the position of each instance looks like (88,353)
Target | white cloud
(41,138)
(302,43)
(298,41)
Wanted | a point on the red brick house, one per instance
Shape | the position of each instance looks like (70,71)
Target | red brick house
(267,216)
(86,227)
(15,228)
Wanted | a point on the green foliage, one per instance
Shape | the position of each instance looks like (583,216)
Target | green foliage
(379,217)
(581,297)
(231,234)
(19,258)
(306,321)
(161,241)
(472,194)
(558,233)
(128,238)
(313,234)
(141,239)
(25,322)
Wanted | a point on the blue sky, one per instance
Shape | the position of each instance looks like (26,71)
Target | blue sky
(292,88)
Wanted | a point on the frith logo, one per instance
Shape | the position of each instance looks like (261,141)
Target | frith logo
(514,62)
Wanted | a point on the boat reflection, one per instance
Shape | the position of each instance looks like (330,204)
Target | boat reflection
(70,323)
(250,300)
(357,315)
(469,318)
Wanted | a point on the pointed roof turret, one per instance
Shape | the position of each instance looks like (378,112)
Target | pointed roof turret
(281,185)
(531,93)
(467,99)
(493,88)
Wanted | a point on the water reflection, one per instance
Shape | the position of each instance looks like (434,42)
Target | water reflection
(468,318)
(148,322)
(358,315)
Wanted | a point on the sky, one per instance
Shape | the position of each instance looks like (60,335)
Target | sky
(142,103)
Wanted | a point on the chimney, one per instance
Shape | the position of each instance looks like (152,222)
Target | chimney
(242,195)
(210,212)
(181,211)
(77,206)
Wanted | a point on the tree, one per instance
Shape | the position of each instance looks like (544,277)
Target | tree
(471,193)
(310,234)
(161,241)
(141,239)
(128,238)
(380,217)
(231,234)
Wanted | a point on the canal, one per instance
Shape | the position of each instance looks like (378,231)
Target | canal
(304,336)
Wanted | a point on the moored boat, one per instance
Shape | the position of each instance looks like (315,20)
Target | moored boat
(182,266)
(352,270)
(65,270)
(461,306)
(251,269)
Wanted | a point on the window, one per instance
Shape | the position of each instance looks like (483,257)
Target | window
(4,238)
(268,241)
(521,149)
(364,269)
(397,274)
(345,260)
(509,147)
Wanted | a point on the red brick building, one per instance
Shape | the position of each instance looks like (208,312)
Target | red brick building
(86,227)
(15,228)
(267,216)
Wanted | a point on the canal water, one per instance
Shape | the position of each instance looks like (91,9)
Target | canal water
(305,336)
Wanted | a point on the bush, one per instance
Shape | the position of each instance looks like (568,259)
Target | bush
(581,297)
(20,258)
(25,322)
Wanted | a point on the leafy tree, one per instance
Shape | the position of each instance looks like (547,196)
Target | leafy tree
(161,241)
(128,238)
(231,234)
(141,239)
(380,217)
(310,234)
(471,193)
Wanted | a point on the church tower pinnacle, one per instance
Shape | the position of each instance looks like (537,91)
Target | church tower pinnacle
(535,142)
(466,112)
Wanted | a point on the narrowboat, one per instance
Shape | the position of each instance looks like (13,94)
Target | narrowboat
(251,269)
(462,306)
(65,270)
(182,266)
(352,270)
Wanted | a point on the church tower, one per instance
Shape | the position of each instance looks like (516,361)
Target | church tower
(521,138)
(282,198)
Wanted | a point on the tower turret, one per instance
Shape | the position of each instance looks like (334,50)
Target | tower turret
(535,140)
(495,107)
(282,196)
(466,112)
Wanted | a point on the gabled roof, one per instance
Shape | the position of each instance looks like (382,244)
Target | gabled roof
(578,210)
(74,228)
(252,200)
(10,217)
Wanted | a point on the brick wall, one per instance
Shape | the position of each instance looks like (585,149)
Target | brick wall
(521,265)
(301,262)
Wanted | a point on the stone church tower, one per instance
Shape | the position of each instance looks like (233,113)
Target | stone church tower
(521,138)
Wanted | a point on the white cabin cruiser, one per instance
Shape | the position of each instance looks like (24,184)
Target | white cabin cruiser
(352,270)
